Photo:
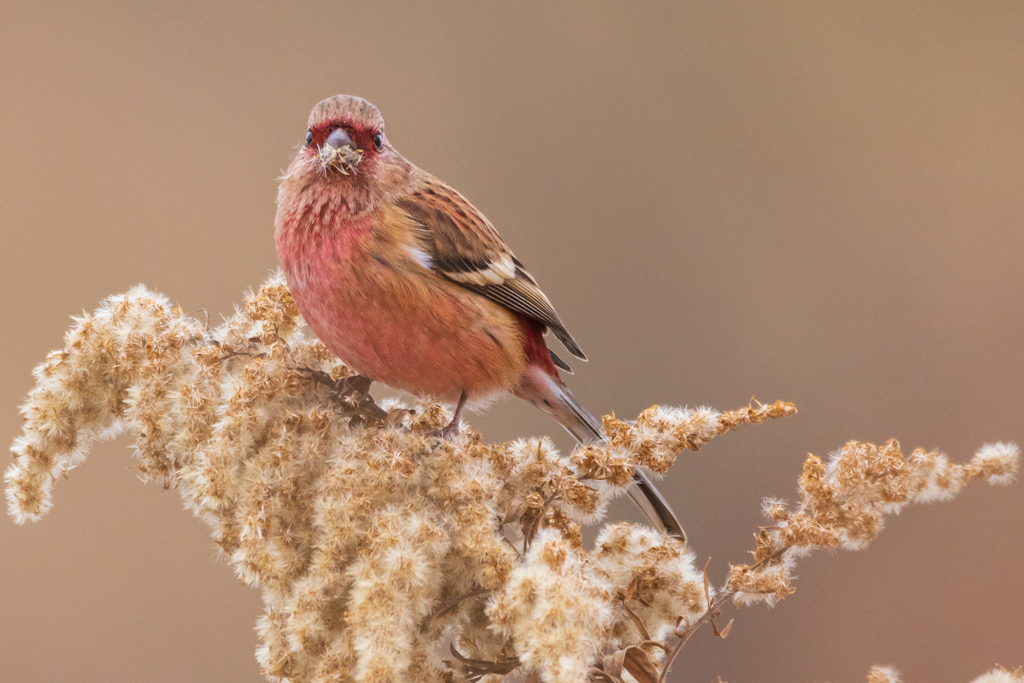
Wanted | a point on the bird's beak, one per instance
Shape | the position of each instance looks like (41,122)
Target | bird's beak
(340,153)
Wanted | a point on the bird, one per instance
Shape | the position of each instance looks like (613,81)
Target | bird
(406,282)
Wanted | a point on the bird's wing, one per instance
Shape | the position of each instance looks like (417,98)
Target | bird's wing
(459,243)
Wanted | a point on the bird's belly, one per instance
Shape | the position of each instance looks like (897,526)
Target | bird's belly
(411,330)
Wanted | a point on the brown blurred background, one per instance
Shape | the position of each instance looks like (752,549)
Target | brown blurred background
(818,202)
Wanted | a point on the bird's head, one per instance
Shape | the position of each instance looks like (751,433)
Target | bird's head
(345,148)
(344,131)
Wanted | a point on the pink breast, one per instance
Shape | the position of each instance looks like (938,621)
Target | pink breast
(407,329)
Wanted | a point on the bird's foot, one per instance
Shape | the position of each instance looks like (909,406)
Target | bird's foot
(446,433)
(451,430)
(352,392)
(348,387)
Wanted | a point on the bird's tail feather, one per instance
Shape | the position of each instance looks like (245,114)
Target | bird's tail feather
(553,397)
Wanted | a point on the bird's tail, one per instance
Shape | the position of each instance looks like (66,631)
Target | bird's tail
(553,397)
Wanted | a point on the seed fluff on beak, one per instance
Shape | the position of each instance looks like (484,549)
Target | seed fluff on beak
(340,153)
(344,159)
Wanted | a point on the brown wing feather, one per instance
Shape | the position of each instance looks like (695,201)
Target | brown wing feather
(464,247)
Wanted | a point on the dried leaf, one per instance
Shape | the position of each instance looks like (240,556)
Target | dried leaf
(397,416)
(514,514)
(639,665)
(724,633)
(599,676)
(630,589)
(475,669)
(649,646)
(612,664)
(707,585)
(530,524)
(637,622)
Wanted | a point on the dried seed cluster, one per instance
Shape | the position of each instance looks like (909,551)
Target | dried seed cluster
(385,555)
(887,674)
(843,505)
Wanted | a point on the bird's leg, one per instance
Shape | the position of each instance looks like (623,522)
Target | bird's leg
(451,430)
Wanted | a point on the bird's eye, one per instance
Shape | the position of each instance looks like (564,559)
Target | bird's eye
(309,138)
(378,141)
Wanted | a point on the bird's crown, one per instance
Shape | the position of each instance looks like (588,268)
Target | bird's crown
(348,110)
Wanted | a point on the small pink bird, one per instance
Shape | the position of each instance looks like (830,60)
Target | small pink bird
(407,283)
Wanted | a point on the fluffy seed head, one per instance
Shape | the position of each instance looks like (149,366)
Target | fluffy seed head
(384,555)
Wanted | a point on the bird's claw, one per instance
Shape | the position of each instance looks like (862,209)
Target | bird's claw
(451,430)
(347,387)
(446,433)
(352,392)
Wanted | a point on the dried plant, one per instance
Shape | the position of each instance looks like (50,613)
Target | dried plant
(384,554)
(886,674)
